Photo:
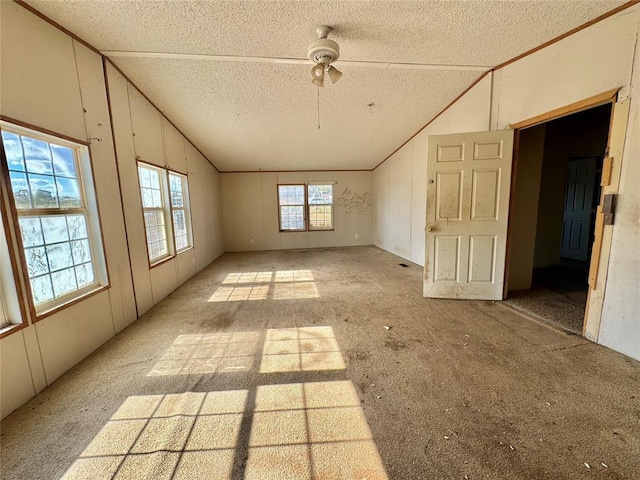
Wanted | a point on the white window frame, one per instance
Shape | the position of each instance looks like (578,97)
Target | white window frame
(167,210)
(306,207)
(303,205)
(167,229)
(185,209)
(88,209)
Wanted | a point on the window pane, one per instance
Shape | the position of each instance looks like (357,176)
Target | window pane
(59,256)
(147,197)
(66,246)
(291,194)
(177,196)
(157,199)
(320,194)
(68,192)
(181,242)
(37,156)
(77,225)
(31,231)
(156,234)
(13,150)
(292,218)
(84,275)
(41,289)
(64,281)
(64,163)
(179,224)
(36,261)
(43,191)
(145,177)
(154,176)
(81,251)
(55,229)
(320,217)
(20,188)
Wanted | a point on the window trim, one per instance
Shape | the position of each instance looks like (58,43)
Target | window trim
(14,236)
(166,190)
(6,215)
(306,212)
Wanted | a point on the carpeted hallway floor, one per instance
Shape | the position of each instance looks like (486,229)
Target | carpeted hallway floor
(329,364)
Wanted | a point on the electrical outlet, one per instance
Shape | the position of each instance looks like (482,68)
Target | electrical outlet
(251,241)
(356,236)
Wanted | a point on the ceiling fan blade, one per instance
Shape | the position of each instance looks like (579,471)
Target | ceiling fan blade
(292,61)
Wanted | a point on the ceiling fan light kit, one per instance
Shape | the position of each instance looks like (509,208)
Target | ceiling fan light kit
(323,52)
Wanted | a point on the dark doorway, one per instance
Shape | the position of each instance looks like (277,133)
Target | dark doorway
(557,188)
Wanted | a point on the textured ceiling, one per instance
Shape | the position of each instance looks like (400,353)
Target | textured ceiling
(251,116)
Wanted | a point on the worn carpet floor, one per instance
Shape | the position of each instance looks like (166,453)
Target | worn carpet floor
(329,364)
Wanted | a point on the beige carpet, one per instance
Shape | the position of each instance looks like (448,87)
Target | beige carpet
(280,365)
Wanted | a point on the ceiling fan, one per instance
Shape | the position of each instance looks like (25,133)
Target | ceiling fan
(323,52)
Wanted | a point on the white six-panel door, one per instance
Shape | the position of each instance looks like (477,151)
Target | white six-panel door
(468,185)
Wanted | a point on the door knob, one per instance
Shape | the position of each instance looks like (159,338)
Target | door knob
(430,229)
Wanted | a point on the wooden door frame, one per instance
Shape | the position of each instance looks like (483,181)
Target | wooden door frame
(599,259)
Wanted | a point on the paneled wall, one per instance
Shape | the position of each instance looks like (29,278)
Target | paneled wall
(590,62)
(142,133)
(250,211)
(55,83)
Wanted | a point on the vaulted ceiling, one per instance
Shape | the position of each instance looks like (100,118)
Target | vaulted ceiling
(260,113)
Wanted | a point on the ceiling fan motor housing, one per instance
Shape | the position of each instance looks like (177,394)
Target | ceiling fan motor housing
(323,51)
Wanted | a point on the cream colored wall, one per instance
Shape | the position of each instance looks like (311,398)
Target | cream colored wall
(400,183)
(590,62)
(620,325)
(250,211)
(142,133)
(55,83)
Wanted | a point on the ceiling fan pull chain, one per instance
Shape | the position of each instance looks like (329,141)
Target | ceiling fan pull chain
(318,88)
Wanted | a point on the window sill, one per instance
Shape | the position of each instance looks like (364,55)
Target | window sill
(11,328)
(184,250)
(161,261)
(58,308)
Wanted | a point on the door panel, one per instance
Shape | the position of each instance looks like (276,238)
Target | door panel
(468,183)
(577,217)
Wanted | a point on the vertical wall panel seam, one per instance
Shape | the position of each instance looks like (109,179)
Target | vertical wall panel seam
(115,154)
(26,351)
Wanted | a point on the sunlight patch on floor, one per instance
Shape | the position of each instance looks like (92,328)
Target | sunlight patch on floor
(278,285)
(209,353)
(301,349)
(311,431)
(189,435)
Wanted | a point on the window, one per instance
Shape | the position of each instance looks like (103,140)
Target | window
(165,196)
(320,207)
(180,211)
(291,200)
(154,205)
(57,216)
(297,203)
